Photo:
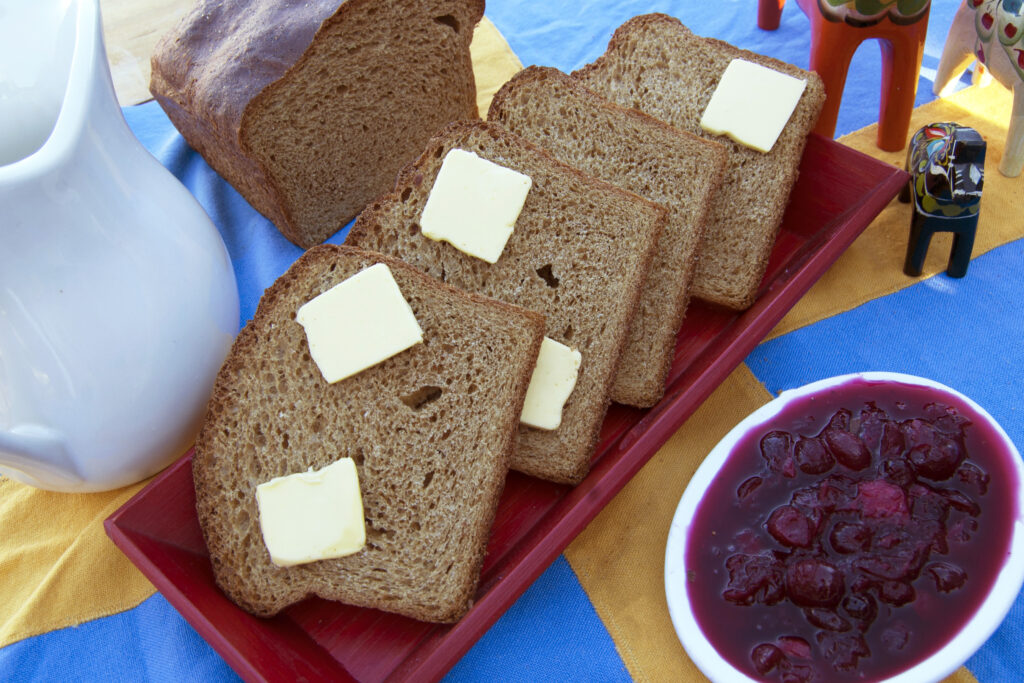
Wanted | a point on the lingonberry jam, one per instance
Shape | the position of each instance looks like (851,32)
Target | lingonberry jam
(853,536)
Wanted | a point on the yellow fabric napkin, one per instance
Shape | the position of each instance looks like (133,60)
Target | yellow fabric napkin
(57,566)
(873,265)
(493,63)
(619,557)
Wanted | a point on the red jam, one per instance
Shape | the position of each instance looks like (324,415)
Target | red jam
(853,536)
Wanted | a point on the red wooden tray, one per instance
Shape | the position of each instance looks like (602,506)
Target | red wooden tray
(839,192)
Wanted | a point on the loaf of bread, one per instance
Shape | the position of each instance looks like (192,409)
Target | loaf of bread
(655,64)
(431,431)
(579,254)
(309,108)
(644,155)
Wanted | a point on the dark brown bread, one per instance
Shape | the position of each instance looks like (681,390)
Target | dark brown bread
(644,155)
(431,430)
(309,109)
(655,64)
(579,254)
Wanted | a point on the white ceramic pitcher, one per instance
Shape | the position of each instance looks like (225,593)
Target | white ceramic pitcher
(118,302)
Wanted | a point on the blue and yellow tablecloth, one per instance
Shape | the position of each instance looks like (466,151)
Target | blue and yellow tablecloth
(73,608)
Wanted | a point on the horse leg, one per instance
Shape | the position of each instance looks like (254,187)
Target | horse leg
(921,231)
(907,193)
(957,53)
(832,48)
(1013,151)
(963,244)
(768,14)
(902,51)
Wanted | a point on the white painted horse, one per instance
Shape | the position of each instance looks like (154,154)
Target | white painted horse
(991,32)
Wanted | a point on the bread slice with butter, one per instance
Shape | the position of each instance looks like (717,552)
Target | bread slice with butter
(579,253)
(655,64)
(627,148)
(430,429)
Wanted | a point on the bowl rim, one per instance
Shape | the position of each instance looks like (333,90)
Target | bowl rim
(939,664)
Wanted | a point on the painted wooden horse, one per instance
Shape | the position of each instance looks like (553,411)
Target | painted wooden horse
(838,27)
(946,162)
(991,32)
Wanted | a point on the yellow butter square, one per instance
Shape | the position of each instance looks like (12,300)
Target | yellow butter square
(358,323)
(752,104)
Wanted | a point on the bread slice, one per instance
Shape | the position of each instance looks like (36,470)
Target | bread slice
(579,254)
(310,108)
(655,64)
(644,155)
(431,430)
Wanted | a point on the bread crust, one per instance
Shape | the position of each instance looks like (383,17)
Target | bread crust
(599,267)
(259,88)
(755,191)
(431,475)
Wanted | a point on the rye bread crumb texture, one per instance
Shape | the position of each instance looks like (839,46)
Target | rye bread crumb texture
(644,155)
(431,431)
(580,253)
(655,64)
(310,108)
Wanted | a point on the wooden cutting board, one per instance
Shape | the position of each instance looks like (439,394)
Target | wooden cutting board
(131,29)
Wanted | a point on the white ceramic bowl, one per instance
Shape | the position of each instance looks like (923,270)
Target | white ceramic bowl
(944,661)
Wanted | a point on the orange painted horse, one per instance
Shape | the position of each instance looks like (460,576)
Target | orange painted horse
(838,27)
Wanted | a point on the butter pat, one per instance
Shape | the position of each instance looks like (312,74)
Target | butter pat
(474,204)
(358,323)
(552,383)
(312,516)
(752,104)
